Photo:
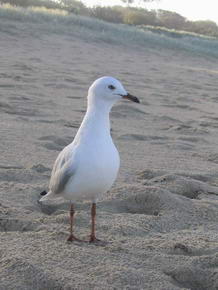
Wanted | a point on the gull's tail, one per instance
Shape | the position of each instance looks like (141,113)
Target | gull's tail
(46,195)
(44,192)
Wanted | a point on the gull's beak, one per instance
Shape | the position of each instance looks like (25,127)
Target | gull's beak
(131,98)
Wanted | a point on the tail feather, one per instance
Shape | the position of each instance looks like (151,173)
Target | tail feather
(44,192)
(48,196)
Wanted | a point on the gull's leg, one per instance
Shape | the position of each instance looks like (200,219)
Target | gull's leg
(72,237)
(93,238)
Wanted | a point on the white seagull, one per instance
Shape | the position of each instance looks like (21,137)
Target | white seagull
(88,167)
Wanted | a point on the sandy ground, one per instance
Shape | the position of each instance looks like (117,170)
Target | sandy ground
(160,218)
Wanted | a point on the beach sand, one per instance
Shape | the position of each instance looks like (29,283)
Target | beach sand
(161,217)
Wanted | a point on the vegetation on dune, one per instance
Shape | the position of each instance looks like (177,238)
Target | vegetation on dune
(159,18)
(127,15)
(33,3)
(90,28)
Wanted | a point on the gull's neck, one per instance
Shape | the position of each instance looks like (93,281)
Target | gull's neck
(96,122)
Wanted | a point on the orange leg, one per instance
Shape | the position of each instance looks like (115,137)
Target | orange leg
(72,237)
(93,238)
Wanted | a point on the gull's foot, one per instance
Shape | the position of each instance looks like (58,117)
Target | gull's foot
(72,238)
(94,240)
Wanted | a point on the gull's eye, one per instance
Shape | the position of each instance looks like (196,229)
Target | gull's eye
(111,87)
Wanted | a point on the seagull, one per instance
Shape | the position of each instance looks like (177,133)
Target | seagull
(87,168)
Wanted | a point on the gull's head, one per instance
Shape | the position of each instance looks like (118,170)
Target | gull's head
(108,90)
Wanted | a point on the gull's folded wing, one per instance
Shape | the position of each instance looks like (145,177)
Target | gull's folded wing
(63,170)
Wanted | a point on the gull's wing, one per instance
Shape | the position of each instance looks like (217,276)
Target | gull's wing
(63,169)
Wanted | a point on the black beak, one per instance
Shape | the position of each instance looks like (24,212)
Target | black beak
(131,98)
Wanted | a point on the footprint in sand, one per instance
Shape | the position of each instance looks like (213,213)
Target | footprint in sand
(23,67)
(15,224)
(4,107)
(188,130)
(152,173)
(73,97)
(56,143)
(207,124)
(179,106)
(192,139)
(10,86)
(120,111)
(72,124)
(148,200)
(22,175)
(213,158)
(139,137)
(167,119)
(80,111)
(194,275)
(40,168)
(182,248)
(17,110)
(61,122)
(19,98)
(178,145)
(182,185)
(27,274)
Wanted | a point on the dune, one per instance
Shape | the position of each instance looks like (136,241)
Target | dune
(160,219)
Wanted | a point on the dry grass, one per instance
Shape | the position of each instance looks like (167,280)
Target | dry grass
(36,9)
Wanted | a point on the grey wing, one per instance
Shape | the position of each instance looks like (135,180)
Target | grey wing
(63,170)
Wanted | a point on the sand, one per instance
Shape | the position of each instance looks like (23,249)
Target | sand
(160,218)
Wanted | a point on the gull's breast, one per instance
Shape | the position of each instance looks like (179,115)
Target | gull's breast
(97,170)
